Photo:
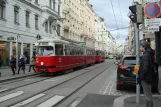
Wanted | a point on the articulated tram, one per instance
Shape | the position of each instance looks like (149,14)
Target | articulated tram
(54,55)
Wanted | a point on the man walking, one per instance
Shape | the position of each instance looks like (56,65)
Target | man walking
(13,64)
(146,71)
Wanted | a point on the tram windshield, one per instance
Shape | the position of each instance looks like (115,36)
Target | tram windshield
(45,50)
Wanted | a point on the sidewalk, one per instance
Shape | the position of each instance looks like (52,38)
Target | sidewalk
(6,74)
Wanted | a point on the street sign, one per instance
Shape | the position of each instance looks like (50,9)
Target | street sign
(146,31)
(11,39)
(83,43)
(148,1)
(152,22)
(152,10)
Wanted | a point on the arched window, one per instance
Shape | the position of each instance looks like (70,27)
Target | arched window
(2,9)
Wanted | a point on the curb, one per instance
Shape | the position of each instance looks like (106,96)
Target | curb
(15,78)
(119,102)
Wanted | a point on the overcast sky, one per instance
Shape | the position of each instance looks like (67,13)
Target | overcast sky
(104,9)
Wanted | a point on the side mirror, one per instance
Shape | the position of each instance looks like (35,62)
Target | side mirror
(116,63)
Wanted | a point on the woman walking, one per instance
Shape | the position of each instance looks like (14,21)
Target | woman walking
(13,64)
(21,64)
(32,64)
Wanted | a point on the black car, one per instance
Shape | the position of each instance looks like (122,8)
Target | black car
(125,73)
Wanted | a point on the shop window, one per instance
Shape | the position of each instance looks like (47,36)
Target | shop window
(4,53)
(26,52)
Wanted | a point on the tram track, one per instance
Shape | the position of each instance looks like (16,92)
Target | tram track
(27,84)
(79,88)
(63,82)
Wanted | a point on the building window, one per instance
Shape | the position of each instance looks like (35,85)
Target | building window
(36,21)
(16,15)
(58,30)
(50,27)
(46,26)
(58,9)
(27,18)
(50,3)
(36,1)
(2,10)
(54,3)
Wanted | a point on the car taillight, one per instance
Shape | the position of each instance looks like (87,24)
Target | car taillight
(123,67)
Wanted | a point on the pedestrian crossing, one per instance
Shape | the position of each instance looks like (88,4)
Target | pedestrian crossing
(21,104)
(10,96)
(2,90)
(48,102)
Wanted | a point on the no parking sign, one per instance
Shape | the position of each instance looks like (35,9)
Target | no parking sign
(152,10)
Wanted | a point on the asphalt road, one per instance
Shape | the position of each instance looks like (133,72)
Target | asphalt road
(65,90)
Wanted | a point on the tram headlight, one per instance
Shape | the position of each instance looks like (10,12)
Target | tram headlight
(42,63)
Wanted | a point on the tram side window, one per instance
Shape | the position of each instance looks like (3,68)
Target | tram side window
(58,49)
(67,50)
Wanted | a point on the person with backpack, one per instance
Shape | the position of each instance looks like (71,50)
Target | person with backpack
(21,64)
(146,72)
(32,63)
(13,64)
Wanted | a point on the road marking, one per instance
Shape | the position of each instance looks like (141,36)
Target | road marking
(28,79)
(76,102)
(28,100)
(110,89)
(3,90)
(52,80)
(52,101)
(9,96)
(106,88)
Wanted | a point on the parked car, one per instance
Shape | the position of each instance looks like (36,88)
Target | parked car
(125,73)
(110,56)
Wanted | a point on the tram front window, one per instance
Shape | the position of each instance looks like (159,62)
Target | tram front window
(45,50)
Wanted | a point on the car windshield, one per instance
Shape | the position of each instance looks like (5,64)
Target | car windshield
(129,61)
(45,50)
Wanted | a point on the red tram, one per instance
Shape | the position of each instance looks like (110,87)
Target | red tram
(100,56)
(59,55)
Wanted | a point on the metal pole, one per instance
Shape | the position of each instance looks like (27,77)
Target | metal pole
(137,43)
(17,52)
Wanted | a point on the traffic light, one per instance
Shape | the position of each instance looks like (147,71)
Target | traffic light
(136,15)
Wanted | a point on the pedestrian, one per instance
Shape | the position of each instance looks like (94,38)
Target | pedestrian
(21,64)
(13,64)
(32,63)
(146,72)
(0,64)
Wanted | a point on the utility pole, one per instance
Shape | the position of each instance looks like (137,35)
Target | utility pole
(17,52)
(136,17)
(137,45)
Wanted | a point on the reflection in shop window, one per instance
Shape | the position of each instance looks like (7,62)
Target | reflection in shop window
(4,53)
(26,52)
